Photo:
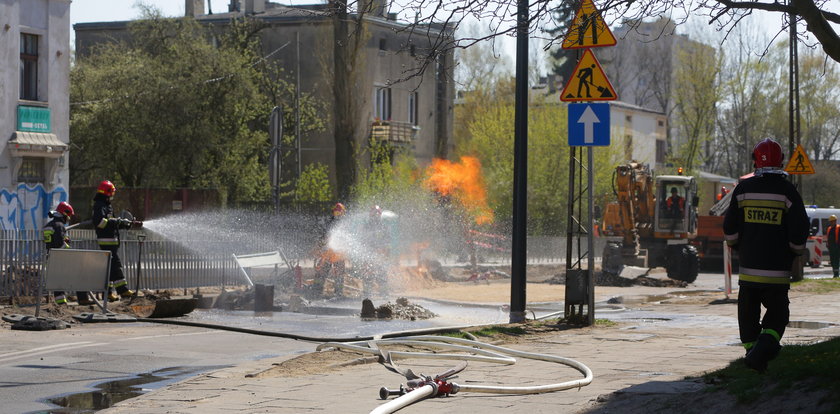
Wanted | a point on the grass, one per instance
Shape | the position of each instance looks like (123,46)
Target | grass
(816,285)
(816,365)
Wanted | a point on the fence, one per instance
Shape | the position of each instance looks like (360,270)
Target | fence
(165,264)
(168,264)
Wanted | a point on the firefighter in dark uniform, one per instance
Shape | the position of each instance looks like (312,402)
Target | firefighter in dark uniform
(55,237)
(767,223)
(108,236)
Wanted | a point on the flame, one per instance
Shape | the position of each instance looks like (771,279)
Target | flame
(463,182)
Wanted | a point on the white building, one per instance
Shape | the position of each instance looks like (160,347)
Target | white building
(638,134)
(34,110)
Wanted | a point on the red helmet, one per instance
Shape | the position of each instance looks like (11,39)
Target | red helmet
(106,187)
(65,208)
(768,153)
(338,210)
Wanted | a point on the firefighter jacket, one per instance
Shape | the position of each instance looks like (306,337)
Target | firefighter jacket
(107,226)
(55,234)
(832,235)
(767,223)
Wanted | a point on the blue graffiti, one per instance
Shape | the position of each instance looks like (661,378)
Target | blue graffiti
(27,208)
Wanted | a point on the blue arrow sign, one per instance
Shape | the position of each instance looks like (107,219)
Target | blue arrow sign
(589,124)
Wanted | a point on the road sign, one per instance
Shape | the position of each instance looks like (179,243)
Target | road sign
(588,82)
(588,29)
(589,124)
(799,162)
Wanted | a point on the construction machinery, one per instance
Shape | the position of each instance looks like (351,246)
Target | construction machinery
(652,223)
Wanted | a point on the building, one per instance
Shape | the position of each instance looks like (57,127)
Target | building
(643,69)
(414,114)
(34,110)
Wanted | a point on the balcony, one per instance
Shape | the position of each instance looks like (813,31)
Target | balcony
(394,131)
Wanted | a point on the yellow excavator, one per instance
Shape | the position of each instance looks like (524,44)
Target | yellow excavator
(652,222)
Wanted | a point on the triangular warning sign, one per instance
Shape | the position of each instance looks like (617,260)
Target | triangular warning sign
(588,29)
(588,82)
(799,162)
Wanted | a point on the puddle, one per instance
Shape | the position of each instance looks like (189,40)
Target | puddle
(808,324)
(638,299)
(109,393)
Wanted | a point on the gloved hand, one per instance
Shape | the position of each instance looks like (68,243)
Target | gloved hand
(125,223)
(136,224)
(66,239)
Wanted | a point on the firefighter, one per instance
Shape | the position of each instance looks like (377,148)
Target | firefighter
(832,235)
(108,236)
(55,237)
(767,223)
(723,192)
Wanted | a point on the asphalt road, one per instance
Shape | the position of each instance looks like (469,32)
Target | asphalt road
(37,366)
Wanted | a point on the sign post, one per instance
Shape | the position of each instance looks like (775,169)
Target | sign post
(589,126)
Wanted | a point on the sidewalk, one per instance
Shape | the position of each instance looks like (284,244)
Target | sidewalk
(684,336)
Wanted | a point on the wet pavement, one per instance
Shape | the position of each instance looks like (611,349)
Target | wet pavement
(660,338)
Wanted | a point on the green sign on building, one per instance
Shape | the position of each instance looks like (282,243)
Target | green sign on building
(33,119)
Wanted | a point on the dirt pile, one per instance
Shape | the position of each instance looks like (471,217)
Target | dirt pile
(402,309)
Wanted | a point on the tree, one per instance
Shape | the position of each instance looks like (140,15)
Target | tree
(168,109)
(492,143)
(725,15)
(696,94)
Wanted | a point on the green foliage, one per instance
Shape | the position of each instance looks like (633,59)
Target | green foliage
(168,109)
(314,184)
(390,180)
(491,140)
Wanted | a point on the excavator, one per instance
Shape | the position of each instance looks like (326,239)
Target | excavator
(652,222)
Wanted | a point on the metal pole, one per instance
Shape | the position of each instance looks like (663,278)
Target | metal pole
(520,169)
(297,102)
(590,241)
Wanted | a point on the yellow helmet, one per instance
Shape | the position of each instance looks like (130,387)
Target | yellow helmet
(832,218)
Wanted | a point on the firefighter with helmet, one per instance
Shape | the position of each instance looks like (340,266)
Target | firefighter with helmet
(108,236)
(55,237)
(832,235)
(767,223)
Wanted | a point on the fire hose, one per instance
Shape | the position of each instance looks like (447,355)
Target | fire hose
(421,387)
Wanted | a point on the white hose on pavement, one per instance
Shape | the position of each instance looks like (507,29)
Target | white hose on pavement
(479,351)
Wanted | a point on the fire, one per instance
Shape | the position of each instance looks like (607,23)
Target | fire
(463,182)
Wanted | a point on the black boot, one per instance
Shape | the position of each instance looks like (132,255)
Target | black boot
(765,350)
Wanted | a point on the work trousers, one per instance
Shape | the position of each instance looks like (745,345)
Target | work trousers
(774,298)
(834,258)
(116,277)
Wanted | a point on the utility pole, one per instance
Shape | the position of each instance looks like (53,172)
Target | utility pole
(519,254)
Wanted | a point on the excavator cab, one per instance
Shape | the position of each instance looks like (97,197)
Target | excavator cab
(676,207)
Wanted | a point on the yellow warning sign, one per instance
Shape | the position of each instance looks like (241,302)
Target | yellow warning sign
(588,82)
(588,29)
(799,162)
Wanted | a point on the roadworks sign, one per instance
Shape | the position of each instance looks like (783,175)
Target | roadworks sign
(588,29)
(588,82)
(799,162)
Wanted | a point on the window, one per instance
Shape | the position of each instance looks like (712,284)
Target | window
(29,67)
(382,110)
(412,108)
(412,50)
(661,123)
(383,44)
(660,151)
(31,171)
(628,118)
